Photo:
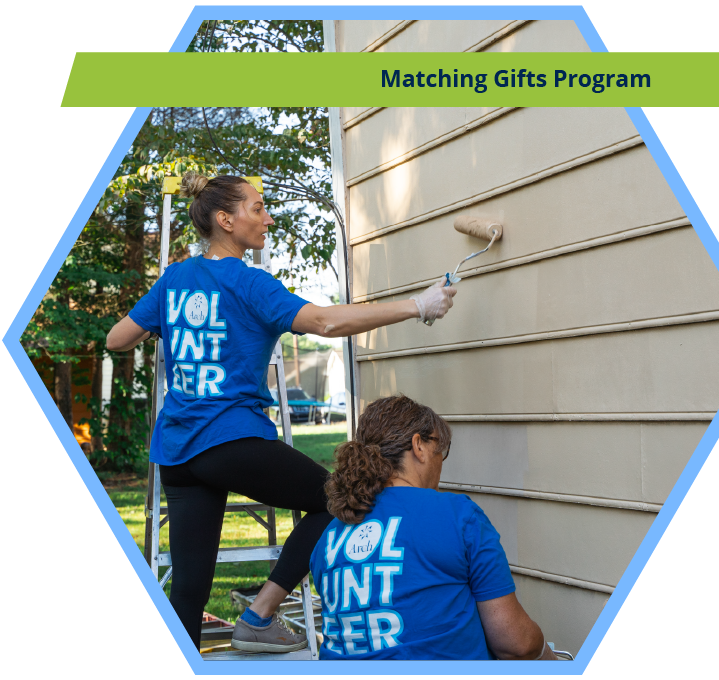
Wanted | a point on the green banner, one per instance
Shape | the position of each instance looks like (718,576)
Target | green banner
(394,79)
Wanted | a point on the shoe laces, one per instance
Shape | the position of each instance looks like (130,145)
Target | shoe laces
(283,624)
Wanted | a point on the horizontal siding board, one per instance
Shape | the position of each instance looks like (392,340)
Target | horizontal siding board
(666,449)
(665,274)
(671,369)
(621,192)
(349,113)
(445,36)
(664,369)
(460,36)
(514,146)
(628,461)
(514,379)
(592,459)
(543,36)
(579,541)
(411,127)
(356,35)
(565,614)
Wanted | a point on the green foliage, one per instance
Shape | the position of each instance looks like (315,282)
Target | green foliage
(258,35)
(289,144)
(126,442)
(78,308)
(115,260)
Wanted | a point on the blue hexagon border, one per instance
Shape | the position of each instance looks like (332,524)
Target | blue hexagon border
(12,342)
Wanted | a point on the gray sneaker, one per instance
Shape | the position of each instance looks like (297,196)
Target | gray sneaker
(275,638)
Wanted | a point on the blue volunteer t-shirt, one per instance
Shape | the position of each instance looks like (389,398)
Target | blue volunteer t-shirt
(219,321)
(404,583)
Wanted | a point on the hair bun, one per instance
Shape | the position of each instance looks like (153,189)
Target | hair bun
(192,184)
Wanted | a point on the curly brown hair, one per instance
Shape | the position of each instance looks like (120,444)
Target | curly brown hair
(364,465)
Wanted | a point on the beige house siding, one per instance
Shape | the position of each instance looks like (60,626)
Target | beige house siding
(578,366)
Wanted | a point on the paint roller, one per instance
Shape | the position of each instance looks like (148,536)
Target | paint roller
(486,228)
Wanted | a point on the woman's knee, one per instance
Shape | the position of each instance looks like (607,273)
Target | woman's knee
(194,591)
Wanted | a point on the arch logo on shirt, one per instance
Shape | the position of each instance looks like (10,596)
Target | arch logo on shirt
(196,337)
(355,622)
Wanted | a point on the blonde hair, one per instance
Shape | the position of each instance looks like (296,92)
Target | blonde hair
(209,196)
(192,184)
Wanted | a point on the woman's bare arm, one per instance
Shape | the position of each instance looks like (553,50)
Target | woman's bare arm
(331,322)
(344,320)
(509,631)
(125,334)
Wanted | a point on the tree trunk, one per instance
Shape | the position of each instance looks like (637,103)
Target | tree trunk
(96,395)
(134,256)
(123,368)
(63,390)
(114,394)
(123,375)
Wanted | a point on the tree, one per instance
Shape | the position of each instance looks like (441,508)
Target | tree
(304,230)
(75,313)
(115,261)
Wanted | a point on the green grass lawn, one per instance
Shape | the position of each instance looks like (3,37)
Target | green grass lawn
(127,494)
(319,441)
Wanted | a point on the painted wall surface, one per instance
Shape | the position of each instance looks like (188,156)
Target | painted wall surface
(578,366)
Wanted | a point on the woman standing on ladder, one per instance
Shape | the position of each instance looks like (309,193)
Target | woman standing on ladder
(219,321)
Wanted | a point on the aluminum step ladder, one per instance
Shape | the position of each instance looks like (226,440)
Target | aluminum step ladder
(156,515)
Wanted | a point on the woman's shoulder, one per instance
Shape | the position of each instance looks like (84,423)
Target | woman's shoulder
(175,269)
(432,500)
(454,509)
(230,267)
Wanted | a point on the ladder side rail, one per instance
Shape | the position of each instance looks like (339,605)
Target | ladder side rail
(261,258)
(154,476)
(284,423)
(158,399)
(282,396)
(309,612)
(165,234)
(307,604)
(272,532)
(150,505)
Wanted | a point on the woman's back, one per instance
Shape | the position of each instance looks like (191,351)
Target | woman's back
(403,584)
(219,321)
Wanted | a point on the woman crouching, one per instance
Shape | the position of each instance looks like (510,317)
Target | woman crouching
(406,572)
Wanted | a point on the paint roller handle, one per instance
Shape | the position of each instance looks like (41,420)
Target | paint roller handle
(434,302)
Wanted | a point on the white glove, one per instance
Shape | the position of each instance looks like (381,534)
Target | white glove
(434,302)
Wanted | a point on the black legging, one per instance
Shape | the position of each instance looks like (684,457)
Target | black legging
(269,472)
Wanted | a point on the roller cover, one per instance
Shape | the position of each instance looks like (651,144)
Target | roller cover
(479,227)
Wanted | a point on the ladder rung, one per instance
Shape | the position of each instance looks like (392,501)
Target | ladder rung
(211,625)
(234,507)
(236,655)
(249,554)
(223,633)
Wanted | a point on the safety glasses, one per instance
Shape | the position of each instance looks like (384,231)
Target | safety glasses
(446,453)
